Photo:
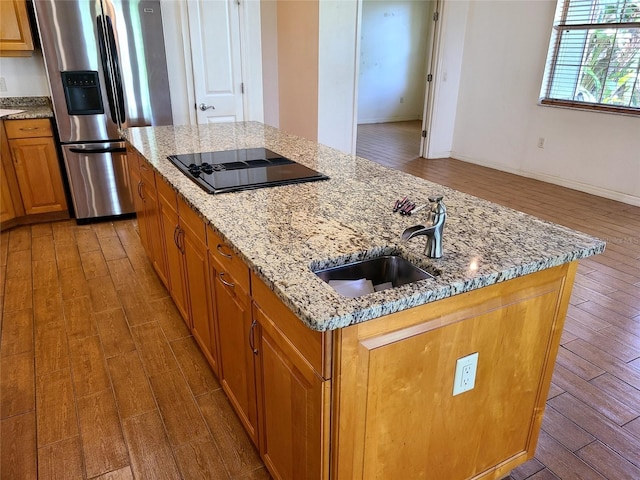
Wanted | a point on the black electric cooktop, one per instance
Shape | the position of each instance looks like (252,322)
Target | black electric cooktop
(234,170)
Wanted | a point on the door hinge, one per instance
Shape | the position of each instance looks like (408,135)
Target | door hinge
(429,78)
(424,134)
(436,16)
(242,88)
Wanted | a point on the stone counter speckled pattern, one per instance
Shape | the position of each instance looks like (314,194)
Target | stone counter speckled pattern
(281,232)
(32,107)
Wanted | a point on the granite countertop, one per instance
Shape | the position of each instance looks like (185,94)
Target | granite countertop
(29,107)
(282,232)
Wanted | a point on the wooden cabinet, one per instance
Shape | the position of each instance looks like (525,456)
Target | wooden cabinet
(147,211)
(15,31)
(174,247)
(199,288)
(236,332)
(293,398)
(396,416)
(35,160)
(31,187)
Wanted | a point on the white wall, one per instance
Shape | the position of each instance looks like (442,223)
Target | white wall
(337,73)
(392,60)
(498,121)
(24,76)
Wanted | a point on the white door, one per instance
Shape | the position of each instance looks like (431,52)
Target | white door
(214,27)
(432,49)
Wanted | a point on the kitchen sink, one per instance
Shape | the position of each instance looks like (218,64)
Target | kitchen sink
(374,274)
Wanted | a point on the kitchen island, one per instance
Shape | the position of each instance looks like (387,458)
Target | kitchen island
(330,386)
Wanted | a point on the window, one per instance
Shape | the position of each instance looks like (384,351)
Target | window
(594,56)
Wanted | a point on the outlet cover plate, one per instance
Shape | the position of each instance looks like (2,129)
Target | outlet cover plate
(465,377)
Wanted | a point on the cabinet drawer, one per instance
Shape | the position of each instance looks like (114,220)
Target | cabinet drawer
(167,194)
(313,346)
(147,172)
(228,259)
(191,221)
(37,127)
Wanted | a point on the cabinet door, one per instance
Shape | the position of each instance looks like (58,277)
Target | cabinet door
(237,374)
(15,32)
(292,398)
(170,228)
(155,244)
(38,172)
(7,212)
(138,201)
(200,297)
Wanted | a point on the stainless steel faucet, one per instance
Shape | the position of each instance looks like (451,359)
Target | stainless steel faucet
(433,231)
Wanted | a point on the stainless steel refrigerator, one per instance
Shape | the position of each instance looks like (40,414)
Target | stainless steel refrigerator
(107,69)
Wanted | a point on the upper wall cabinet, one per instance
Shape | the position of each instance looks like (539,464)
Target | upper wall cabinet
(15,33)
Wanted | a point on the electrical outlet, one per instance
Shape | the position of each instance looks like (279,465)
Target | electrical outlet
(465,377)
(541,142)
(3,84)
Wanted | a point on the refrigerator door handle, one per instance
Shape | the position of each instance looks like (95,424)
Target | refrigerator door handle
(98,150)
(105,67)
(115,61)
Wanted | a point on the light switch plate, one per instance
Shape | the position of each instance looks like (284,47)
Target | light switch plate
(465,377)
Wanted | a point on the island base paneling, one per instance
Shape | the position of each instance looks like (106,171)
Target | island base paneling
(394,413)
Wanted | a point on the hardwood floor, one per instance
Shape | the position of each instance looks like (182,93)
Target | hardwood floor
(99,375)
(100,378)
(591,428)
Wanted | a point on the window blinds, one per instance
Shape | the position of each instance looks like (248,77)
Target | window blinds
(594,56)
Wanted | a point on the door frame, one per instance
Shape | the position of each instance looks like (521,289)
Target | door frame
(433,58)
(181,78)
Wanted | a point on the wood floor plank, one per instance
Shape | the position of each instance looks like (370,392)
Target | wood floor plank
(18,458)
(604,402)
(47,306)
(149,450)
(526,470)
(18,264)
(79,320)
(200,458)
(194,366)
(578,365)
(563,462)
(17,294)
(20,239)
(122,273)
(61,460)
(127,233)
(238,453)
(88,366)
(104,230)
(41,230)
(72,283)
(624,392)
(111,248)
(565,431)
(17,384)
(45,274)
(42,249)
(56,407)
(130,384)
(17,332)
(180,414)
(135,305)
(67,256)
(155,352)
(169,319)
(606,361)
(86,240)
(606,431)
(114,332)
(103,294)
(608,462)
(51,348)
(93,264)
(121,474)
(102,438)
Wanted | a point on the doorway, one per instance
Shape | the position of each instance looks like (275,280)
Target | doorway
(396,51)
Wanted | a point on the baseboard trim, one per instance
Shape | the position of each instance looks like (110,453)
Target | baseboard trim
(563,182)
